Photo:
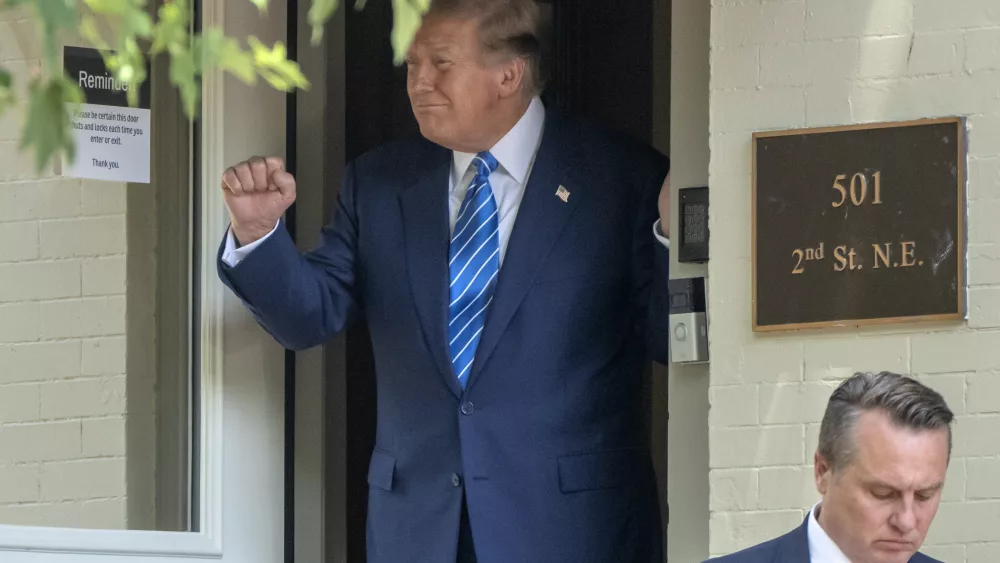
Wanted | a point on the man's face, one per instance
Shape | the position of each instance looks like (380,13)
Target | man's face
(452,89)
(878,508)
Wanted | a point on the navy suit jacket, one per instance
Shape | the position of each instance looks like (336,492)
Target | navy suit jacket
(547,441)
(792,547)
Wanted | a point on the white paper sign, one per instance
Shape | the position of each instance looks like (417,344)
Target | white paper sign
(112,139)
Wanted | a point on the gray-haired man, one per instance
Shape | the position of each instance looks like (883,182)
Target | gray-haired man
(883,453)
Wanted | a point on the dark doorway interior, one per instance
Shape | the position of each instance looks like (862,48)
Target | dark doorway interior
(600,67)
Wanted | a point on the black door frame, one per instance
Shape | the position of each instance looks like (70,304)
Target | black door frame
(601,68)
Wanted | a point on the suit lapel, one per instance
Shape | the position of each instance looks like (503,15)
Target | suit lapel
(540,218)
(426,234)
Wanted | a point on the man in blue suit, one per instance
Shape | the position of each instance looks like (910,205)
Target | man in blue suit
(884,446)
(509,353)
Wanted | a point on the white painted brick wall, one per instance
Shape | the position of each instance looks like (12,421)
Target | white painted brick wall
(40,441)
(104,437)
(37,361)
(20,484)
(18,241)
(788,64)
(734,490)
(62,330)
(83,318)
(99,513)
(82,479)
(69,238)
(103,355)
(786,488)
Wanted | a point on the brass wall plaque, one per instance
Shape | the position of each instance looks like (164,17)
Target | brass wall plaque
(859,225)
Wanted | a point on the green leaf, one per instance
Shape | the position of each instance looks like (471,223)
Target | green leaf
(13,3)
(319,12)
(225,52)
(90,32)
(407,15)
(108,6)
(261,5)
(274,66)
(130,15)
(171,31)
(57,13)
(54,15)
(48,128)
(128,65)
(137,23)
(183,74)
(6,90)
(116,7)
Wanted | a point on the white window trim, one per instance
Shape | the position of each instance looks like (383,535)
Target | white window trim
(206,543)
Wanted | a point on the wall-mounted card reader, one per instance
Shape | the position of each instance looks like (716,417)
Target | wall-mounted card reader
(688,324)
(693,225)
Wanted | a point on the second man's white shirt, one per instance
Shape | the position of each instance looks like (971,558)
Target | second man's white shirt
(821,547)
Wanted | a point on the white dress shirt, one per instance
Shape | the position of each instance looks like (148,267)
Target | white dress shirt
(821,547)
(515,153)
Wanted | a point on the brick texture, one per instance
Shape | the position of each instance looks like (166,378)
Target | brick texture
(86,479)
(783,488)
(734,490)
(785,64)
(103,437)
(983,552)
(982,481)
(63,244)
(20,483)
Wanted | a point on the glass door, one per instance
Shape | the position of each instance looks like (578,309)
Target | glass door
(137,403)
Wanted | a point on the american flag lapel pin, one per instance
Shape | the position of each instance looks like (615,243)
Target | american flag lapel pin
(563,194)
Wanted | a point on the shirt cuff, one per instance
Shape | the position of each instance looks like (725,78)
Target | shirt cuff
(232,256)
(659,236)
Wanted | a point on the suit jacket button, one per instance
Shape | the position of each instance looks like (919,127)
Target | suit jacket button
(456,481)
(468,408)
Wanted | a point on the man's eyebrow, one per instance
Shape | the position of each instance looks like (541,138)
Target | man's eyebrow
(877,483)
(441,44)
(436,48)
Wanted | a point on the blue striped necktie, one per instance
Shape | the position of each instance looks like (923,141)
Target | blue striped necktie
(474,265)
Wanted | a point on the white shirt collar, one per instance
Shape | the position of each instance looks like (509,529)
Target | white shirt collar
(821,547)
(514,151)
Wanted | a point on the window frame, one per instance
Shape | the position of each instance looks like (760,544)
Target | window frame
(219,472)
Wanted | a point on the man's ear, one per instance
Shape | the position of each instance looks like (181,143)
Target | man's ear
(823,473)
(513,77)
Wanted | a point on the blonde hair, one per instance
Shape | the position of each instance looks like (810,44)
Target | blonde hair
(509,28)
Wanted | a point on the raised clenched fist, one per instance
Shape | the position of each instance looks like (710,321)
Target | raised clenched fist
(257,193)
